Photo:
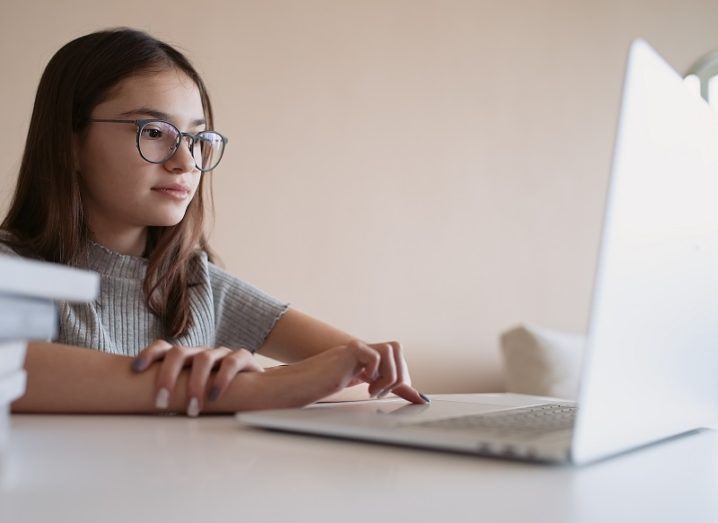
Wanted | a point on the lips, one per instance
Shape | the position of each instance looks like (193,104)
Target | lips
(172,187)
(176,191)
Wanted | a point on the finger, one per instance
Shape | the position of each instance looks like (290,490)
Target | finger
(375,346)
(240,360)
(175,358)
(149,354)
(405,390)
(363,376)
(405,369)
(253,365)
(369,360)
(202,365)
(355,381)
(398,357)
(409,393)
(387,370)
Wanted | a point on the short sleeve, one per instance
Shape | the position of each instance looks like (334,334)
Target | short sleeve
(244,314)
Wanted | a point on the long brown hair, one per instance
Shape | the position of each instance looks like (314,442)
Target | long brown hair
(46,219)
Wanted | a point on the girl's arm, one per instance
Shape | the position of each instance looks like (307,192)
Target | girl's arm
(297,336)
(68,379)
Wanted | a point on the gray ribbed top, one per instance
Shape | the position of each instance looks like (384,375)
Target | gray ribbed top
(226,311)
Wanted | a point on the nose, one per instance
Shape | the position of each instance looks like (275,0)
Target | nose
(182,160)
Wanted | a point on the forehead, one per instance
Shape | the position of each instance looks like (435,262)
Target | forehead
(170,91)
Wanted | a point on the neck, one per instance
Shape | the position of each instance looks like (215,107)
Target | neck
(126,241)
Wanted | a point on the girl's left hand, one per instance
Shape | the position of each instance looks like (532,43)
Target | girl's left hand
(202,359)
(395,350)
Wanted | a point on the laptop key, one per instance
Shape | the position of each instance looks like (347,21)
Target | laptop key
(523,423)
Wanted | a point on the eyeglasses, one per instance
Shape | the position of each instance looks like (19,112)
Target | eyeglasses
(158,141)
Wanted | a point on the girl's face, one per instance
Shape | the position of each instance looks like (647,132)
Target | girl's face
(119,186)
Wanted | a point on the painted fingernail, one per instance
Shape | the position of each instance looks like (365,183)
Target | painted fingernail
(424,397)
(213,393)
(193,408)
(163,399)
(137,365)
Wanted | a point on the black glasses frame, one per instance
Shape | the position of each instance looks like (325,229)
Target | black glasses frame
(140,124)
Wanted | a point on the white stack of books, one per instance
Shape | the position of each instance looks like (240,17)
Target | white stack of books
(29,312)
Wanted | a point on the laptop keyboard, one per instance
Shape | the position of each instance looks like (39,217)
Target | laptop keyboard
(524,421)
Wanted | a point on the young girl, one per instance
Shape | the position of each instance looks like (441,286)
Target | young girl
(113,180)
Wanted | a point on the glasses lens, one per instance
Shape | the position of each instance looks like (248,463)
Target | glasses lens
(158,141)
(208,149)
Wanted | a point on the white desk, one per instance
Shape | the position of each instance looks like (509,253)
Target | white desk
(90,468)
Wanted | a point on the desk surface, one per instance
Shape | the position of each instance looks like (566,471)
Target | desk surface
(90,468)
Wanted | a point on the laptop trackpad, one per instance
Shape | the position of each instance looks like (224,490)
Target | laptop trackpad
(399,411)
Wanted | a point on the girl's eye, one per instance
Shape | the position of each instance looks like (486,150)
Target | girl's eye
(152,133)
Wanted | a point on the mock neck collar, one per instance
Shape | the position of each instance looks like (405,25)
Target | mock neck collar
(112,263)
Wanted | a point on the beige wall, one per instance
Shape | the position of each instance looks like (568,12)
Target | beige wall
(432,172)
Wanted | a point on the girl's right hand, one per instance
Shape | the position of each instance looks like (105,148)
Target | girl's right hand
(173,358)
(382,365)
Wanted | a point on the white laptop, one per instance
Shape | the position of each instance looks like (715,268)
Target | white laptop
(650,369)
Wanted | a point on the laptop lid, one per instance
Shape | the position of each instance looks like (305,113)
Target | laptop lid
(650,369)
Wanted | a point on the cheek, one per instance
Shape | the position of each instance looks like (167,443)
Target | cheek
(113,167)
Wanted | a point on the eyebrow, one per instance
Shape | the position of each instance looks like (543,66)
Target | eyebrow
(161,115)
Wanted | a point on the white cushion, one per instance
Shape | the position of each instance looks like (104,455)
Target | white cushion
(542,361)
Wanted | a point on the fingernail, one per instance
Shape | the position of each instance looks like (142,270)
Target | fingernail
(163,399)
(213,393)
(424,397)
(193,408)
(383,393)
(137,365)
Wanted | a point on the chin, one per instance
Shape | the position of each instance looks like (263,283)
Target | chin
(166,220)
